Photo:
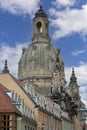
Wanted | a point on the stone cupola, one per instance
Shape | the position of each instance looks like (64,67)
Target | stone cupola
(74,86)
(40,59)
(73,79)
(41,26)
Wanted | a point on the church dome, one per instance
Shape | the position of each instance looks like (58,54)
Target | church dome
(40,13)
(38,61)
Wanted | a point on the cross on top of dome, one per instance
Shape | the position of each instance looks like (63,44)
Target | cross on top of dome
(40,13)
(40,3)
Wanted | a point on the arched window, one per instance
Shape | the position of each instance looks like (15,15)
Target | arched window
(50,65)
(46,28)
(39,27)
(32,64)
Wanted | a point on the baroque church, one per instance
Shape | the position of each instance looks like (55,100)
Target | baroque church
(41,60)
(39,98)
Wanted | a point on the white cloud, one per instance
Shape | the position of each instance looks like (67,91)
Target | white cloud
(68,21)
(19,6)
(81,73)
(63,3)
(76,53)
(12,54)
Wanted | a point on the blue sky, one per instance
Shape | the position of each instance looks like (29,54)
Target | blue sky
(68,31)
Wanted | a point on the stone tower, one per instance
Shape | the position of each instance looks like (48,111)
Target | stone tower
(74,87)
(6,70)
(40,60)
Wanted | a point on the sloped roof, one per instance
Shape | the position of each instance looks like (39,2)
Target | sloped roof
(13,84)
(2,88)
(6,103)
(18,81)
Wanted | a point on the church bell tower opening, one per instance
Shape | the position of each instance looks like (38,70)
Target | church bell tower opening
(39,27)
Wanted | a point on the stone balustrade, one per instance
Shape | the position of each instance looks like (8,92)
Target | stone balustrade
(45,104)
